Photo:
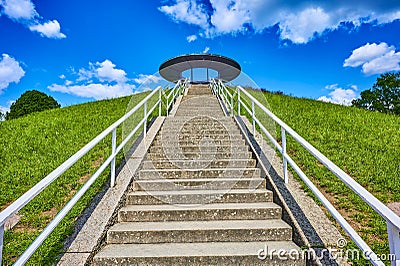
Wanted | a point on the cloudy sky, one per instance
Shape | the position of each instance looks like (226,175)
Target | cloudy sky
(79,51)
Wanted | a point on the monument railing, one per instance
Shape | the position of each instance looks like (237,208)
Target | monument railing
(392,220)
(28,196)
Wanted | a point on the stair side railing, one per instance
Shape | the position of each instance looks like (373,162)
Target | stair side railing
(392,220)
(28,196)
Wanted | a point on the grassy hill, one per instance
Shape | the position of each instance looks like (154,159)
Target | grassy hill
(31,147)
(365,144)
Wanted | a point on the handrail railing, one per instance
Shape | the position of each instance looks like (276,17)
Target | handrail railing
(392,220)
(22,201)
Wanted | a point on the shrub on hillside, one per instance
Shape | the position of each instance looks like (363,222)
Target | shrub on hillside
(30,102)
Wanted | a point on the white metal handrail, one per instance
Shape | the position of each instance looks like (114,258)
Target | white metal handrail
(22,201)
(392,220)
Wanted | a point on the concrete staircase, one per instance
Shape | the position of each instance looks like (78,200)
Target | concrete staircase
(199,198)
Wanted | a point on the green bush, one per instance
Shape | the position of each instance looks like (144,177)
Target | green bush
(30,102)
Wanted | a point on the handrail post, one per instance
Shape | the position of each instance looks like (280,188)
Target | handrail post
(394,243)
(285,171)
(167,105)
(1,242)
(232,108)
(113,149)
(253,119)
(145,121)
(160,104)
(238,93)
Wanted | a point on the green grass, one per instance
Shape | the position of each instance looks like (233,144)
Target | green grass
(364,144)
(33,146)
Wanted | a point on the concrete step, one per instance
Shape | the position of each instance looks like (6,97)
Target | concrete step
(199,231)
(199,127)
(196,155)
(199,173)
(198,184)
(198,196)
(190,114)
(200,120)
(199,142)
(198,164)
(209,253)
(199,148)
(202,212)
(174,119)
(168,137)
(199,103)
(204,131)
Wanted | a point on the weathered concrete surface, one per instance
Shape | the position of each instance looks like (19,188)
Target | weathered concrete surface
(93,231)
(198,198)
(313,220)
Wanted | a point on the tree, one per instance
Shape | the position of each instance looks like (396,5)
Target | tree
(1,116)
(30,102)
(383,97)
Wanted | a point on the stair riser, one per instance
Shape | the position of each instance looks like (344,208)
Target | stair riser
(192,236)
(196,142)
(210,106)
(204,149)
(195,185)
(199,164)
(192,123)
(195,112)
(198,260)
(201,130)
(187,137)
(133,199)
(195,155)
(204,173)
(200,118)
(199,215)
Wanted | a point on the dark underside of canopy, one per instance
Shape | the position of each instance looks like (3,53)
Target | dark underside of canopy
(227,68)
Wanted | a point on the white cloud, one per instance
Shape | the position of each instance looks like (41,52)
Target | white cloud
(191,38)
(206,50)
(99,81)
(108,72)
(19,9)
(339,95)
(228,16)
(10,71)
(147,79)
(4,109)
(49,29)
(188,11)
(23,11)
(300,27)
(97,91)
(374,58)
(298,21)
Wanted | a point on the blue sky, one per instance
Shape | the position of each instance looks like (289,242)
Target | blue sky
(79,51)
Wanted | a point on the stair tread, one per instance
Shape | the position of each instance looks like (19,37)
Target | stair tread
(199,225)
(193,249)
(199,191)
(209,206)
(201,169)
(216,179)
(200,161)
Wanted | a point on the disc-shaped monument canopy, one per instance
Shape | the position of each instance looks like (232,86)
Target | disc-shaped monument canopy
(227,68)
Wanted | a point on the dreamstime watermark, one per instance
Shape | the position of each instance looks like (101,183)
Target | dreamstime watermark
(338,253)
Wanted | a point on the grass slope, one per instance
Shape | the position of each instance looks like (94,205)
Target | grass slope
(364,144)
(31,147)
